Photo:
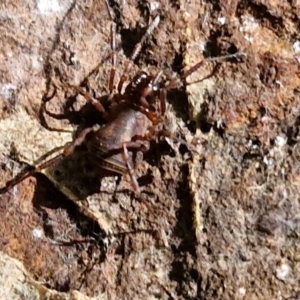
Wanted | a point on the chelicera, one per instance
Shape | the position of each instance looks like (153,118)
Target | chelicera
(134,118)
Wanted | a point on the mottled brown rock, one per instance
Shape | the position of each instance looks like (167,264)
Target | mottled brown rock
(219,218)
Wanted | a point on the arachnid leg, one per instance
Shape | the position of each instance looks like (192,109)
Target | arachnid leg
(152,133)
(88,97)
(135,52)
(175,82)
(113,58)
(162,101)
(68,149)
(137,147)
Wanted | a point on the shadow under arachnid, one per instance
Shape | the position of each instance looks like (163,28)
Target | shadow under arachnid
(78,176)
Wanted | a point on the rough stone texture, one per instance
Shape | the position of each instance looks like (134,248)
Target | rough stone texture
(219,217)
(16,283)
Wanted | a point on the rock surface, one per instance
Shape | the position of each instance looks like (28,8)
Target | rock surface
(220,210)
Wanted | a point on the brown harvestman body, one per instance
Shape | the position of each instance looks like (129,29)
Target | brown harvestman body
(133,121)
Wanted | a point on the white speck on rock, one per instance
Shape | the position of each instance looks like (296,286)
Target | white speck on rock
(7,90)
(154,5)
(296,47)
(242,291)
(37,233)
(48,6)
(249,24)
(280,141)
(268,160)
(283,271)
(202,46)
(222,20)
(248,38)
